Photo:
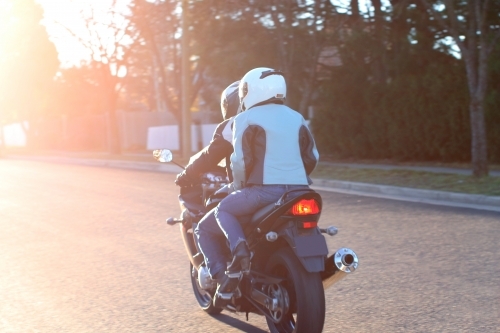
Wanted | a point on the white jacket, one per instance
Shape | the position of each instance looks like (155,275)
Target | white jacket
(272,145)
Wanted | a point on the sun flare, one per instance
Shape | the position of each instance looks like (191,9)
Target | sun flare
(63,20)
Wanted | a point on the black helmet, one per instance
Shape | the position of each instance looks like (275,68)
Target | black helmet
(229,101)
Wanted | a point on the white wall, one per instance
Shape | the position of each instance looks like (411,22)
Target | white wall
(168,137)
(13,135)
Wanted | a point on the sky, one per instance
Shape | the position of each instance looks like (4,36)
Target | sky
(66,13)
(57,12)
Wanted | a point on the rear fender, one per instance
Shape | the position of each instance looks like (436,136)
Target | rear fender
(310,247)
(308,244)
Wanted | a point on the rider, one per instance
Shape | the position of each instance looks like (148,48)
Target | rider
(221,145)
(219,148)
(274,152)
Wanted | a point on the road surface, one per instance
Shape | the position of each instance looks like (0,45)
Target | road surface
(85,249)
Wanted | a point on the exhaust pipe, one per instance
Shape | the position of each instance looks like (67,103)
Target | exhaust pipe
(338,265)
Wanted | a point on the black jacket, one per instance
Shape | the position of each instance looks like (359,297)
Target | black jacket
(220,148)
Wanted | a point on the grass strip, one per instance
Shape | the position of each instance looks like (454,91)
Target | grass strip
(412,179)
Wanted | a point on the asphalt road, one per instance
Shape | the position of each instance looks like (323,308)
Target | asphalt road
(85,249)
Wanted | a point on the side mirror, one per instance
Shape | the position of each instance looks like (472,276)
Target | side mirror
(163,155)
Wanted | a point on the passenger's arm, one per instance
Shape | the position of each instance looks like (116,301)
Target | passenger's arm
(218,149)
(308,151)
(237,157)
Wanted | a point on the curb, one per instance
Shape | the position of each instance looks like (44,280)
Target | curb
(441,198)
(135,165)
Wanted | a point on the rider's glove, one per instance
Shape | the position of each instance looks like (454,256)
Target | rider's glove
(183,180)
(222,192)
(225,190)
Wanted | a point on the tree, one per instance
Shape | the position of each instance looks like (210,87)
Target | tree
(229,38)
(302,31)
(108,39)
(394,94)
(475,29)
(28,64)
(78,92)
(158,25)
(385,76)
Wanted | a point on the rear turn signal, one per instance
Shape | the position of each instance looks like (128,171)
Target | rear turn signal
(305,207)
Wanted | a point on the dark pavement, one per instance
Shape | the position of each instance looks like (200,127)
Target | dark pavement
(85,249)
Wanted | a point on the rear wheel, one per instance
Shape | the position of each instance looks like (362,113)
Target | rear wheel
(301,296)
(203,297)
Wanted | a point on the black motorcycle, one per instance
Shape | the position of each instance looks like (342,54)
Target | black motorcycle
(290,266)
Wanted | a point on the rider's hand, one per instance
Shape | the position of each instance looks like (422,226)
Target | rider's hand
(183,180)
(221,193)
(225,190)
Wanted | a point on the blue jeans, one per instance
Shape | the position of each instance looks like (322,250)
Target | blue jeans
(229,218)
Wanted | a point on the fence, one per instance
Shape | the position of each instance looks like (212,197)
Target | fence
(133,127)
(89,132)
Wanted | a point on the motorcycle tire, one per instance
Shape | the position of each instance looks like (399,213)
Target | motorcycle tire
(204,298)
(305,312)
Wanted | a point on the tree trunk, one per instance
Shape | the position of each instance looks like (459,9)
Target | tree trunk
(479,149)
(112,93)
(114,144)
(305,98)
(285,54)
(355,9)
(476,65)
(2,140)
(378,44)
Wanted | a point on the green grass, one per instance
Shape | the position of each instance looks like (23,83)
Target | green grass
(413,179)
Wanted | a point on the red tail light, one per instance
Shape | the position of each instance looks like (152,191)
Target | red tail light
(305,207)
(309,225)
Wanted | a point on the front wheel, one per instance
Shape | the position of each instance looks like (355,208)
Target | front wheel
(301,296)
(203,297)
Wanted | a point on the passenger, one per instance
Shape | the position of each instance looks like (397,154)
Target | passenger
(219,148)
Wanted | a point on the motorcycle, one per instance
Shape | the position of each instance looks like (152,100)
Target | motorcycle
(290,267)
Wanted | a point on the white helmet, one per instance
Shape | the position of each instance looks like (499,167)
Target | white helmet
(262,85)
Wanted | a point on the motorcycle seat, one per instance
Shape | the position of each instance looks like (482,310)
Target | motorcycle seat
(263,212)
(258,217)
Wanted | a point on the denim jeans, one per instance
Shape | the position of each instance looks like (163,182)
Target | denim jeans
(229,218)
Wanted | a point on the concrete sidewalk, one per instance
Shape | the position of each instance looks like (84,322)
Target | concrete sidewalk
(474,201)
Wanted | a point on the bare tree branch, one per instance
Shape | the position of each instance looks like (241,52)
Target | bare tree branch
(453,29)
(399,8)
(84,43)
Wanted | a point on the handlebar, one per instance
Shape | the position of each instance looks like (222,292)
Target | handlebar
(173,221)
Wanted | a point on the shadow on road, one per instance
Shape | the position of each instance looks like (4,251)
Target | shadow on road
(239,324)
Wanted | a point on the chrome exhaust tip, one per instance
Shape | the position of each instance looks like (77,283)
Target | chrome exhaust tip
(338,265)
